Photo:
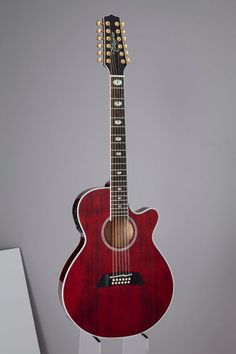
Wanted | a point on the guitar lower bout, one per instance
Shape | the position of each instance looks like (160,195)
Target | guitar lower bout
(116,283)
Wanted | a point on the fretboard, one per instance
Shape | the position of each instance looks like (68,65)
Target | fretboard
(118,178)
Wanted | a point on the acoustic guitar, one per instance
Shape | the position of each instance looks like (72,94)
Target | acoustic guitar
(116,283)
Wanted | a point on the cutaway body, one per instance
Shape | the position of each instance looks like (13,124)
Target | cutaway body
(110,289)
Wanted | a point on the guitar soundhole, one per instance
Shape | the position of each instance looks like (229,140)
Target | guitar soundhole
(119,233)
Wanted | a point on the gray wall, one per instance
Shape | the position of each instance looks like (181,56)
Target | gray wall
(54,134)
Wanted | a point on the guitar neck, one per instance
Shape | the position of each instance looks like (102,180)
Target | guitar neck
(118,173)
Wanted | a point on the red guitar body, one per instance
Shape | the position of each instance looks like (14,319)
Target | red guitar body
(116,310)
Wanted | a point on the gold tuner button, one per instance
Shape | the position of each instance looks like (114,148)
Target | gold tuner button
(107,23)
(116,23)
(99,45)
(99,23)
(99,30)
(122,23)
(123,31)
(125,46)
(99,38)
(122,61)
(108,45)
(121,54)
(108,61)
(99,52)
(124,38)
(126,52)
(99,60)
(108,54)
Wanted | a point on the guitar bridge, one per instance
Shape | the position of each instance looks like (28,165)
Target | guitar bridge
(120,279)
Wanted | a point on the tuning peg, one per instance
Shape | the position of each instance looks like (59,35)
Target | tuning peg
(125,46)
(99,38)
(99,52)
(123,31)
(99,30)
(99,23)
(99,60)
(124,38)
(122,23)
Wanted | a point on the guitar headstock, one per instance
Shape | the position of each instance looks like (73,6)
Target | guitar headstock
(111,44)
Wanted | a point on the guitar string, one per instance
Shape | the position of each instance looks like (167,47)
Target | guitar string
(117,179)
(114,226)
(120,228)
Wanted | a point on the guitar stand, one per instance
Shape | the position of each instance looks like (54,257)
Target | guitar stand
(138,344)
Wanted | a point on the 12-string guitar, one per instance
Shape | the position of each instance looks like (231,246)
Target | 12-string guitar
(116,283)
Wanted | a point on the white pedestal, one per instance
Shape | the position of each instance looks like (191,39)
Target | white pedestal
(17,330)
(131,345)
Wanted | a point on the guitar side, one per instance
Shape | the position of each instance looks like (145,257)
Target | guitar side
(118,310)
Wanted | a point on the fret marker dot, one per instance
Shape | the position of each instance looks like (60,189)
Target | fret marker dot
(117,122)
(118,153)
(118,138)
(117,103)
(117,82)
(118,172)
(119,189)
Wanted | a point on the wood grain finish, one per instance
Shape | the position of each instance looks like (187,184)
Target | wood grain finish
(114,311)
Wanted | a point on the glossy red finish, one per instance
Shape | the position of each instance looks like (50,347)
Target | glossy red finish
(114,311)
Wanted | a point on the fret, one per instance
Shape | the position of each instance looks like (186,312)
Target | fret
(117,98)
(116,198)
(117,159)
(121,115)
(116,211)
(118,142)
(117,179)
(120,203)
(117,203)
(119,163)
(119,208)
(120,214)
(120,192)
